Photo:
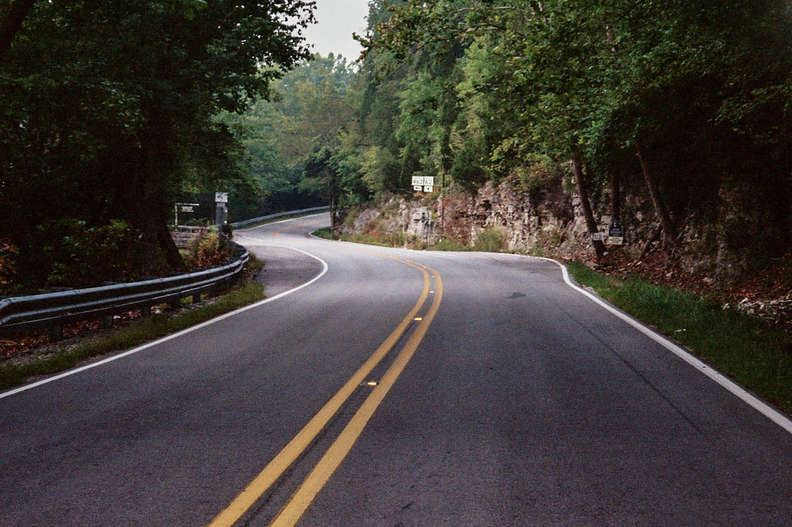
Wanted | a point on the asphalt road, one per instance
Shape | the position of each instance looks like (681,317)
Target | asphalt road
(496,395)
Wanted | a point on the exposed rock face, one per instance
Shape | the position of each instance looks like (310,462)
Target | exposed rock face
(550,221)
(547,220)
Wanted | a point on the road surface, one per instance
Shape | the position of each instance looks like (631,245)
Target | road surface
(394,388)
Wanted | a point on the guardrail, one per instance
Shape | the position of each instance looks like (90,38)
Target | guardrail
(252,221)
(52,310)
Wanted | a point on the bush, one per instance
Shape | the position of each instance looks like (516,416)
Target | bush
(447,244)
(8,254)
(490,240)
(209,250)
(80,256)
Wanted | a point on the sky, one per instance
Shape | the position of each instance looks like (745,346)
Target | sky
(337,19)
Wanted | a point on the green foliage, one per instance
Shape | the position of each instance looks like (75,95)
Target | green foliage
(490,240)
(488,90)
(109,109)
(75,255)
(447,244)
(325,233)
(208,250)
(8,254)
(311,106)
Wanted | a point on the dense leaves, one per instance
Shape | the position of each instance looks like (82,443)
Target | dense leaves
(109,109)
(690,101)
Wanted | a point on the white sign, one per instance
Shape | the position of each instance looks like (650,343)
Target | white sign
(424,183)
(616,240)
(597,236)
(221,197)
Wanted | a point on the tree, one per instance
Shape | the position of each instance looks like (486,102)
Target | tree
(110,106)
(14,17)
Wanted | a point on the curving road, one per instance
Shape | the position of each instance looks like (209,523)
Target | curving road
(394,388)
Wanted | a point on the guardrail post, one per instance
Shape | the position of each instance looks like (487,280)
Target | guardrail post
(145,311)
(107,321)
(196,297)
(56,332)
(175,302)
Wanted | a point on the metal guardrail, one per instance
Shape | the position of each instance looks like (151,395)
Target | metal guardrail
(252,221)
(52,310)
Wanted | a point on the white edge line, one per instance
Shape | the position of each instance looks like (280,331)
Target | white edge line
(737,390)
(178,334)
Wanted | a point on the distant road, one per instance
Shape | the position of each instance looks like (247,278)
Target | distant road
(396,388)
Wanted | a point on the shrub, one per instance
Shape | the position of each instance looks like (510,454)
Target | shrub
(447,244)
(79,256)
(490,240)
(209,250)
(8,254)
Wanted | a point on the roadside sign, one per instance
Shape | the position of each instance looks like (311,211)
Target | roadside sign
(615,234)
(597,236)
(423,183)
(221,197)
(187,208)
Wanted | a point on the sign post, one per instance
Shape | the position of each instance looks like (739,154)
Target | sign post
(221,208)
(615,234)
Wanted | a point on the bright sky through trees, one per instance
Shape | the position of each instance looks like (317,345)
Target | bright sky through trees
(337,20)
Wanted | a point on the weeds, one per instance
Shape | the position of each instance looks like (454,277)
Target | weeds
(490,240)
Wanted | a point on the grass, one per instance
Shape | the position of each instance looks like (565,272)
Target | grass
(137,333)
(325,233)
(446,244)
(742,347)
(490,240)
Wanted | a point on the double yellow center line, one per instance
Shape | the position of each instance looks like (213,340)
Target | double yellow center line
(302,498)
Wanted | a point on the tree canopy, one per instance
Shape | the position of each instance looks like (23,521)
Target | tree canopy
(110,106)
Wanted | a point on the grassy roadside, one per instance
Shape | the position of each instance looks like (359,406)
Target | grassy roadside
(324,232)
(752,354)
(138,332)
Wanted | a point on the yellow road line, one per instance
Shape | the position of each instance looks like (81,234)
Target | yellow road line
(304,437)
(316,480)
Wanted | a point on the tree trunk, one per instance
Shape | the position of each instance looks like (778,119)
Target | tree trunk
(669,233)
(591,223)
(615,197)
(13,22)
